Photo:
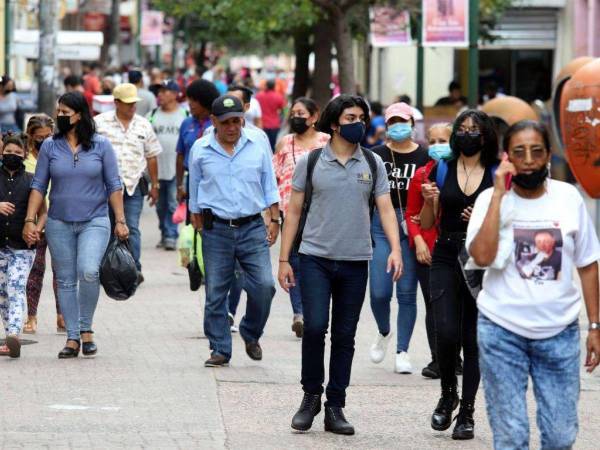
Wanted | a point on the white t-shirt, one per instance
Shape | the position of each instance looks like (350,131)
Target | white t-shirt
(166,126)
(535,295)
(254,112)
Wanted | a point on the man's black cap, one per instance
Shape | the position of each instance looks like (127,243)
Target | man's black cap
(227,106)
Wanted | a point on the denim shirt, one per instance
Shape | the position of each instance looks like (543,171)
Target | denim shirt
(81,182)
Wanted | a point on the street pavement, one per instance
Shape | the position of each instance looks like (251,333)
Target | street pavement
(148,388)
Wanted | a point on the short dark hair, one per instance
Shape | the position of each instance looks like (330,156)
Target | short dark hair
(73,81)
(453,86)
(489,151)
(203,92)
(270,85)
(526,125)
(17,139)
(134,76)
(86,127)
(246,92)
(335,108)
(377,108)
(308,103)
(404,99)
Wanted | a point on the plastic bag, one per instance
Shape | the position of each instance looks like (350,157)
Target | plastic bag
(118,273)
(194,272)
(185,244)
(180,213)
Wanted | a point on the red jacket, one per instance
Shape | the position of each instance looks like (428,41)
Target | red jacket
(414,204)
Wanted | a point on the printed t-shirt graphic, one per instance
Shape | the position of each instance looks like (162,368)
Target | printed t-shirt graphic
(538,250)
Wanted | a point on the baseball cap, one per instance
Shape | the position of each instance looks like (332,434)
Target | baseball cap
(171,85)
(135,76)
(126,92)
(402,110)
(227,106)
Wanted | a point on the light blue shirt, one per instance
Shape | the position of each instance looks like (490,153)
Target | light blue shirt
(235,186)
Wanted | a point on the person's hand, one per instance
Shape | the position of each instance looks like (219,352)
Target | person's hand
(121,231)
(153,195)
(416,219)
(272,233)
(593,350)
(430,192)
(505,168)
(395,262)
(7,208)
(285,276)
(422,251)
(196,220)
(466,214)
(30,234)
(181,194)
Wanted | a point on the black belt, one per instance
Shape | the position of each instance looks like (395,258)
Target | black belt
(453,235)
(235,223)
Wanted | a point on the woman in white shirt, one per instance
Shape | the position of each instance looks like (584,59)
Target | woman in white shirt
(532,234)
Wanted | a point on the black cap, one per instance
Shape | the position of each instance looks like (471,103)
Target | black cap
(227,106)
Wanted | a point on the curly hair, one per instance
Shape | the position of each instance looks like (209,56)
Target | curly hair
(203,92)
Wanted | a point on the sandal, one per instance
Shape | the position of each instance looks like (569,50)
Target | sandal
(60,324)
(88,347)
(31,325)
(70,352)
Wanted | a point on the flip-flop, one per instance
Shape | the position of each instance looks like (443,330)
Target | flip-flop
(14,346)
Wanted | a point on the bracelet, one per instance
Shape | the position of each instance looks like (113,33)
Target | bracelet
(283,260)
(30,221)
(275,221)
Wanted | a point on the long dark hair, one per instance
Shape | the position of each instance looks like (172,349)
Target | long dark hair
(526,125)
(86,127)
(489,151)
(310,105)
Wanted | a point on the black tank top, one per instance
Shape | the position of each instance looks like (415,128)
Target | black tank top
(453,201)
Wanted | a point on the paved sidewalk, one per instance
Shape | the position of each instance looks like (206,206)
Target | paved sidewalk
(148,387)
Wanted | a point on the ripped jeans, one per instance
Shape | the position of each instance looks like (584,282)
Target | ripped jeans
(77,249)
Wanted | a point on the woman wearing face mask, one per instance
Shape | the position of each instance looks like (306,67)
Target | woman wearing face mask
(39,128)
(9,103)
(82,167)
(422,240)
(528,318)
(334,252)
(475,146)
(16,256)
(402,157)
(303,139)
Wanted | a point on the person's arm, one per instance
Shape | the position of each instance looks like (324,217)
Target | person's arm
(271,190)
(414,203)
(389,221)
(153,172)
(285,274)
(39,187)
(114,187)
(428,213)
(116,203)
(194,179)
(589,287)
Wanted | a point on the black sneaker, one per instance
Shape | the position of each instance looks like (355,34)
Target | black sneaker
(432,371)
(465,424)
(216,360)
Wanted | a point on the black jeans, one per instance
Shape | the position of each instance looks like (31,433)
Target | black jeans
(343,283)
(423,277)
(455,317)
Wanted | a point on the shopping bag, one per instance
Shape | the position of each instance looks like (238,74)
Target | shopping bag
(180,213)
(118,273)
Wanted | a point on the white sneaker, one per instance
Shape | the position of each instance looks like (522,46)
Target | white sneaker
(379,348)
(403,364)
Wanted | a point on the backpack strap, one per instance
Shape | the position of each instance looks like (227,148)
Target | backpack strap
(441,173)
(370,157)
(152,114)
(313,157)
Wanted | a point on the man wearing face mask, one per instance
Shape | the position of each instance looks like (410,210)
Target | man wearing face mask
(401,157)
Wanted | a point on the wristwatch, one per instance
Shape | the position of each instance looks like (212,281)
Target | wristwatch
(277,221)
(594,326)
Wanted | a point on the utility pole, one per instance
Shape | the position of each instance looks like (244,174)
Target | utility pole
(7,34)
(114,35)
(47,59)
(473,53)
(420,65)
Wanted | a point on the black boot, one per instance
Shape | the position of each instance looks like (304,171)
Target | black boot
(465,425)
(336,422)
(309,408)
(441,418)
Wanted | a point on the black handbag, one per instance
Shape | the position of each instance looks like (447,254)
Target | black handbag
(194,271)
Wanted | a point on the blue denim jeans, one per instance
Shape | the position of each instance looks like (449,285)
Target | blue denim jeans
(133,205)
(222,246)
(235,292)
(77,249)
(381,285)
(165,207)
(507,360)
(343,284)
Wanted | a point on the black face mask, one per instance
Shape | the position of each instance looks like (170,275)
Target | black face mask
(298,125)
(468,143)
(531,181)
(12,162)
(38,145)
(63,123)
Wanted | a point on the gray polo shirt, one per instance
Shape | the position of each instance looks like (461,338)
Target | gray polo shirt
(338,225)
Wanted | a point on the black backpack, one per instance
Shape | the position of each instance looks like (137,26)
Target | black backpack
(313,157)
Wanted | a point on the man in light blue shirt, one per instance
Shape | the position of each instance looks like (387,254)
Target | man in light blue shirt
(231,182)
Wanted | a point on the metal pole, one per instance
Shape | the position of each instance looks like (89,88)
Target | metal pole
(7,34)
(420,67)
(473,53)
(139,32)
(47,61)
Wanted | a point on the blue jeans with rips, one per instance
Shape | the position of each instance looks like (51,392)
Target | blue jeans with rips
(77,249)
(222,246)
(507,360)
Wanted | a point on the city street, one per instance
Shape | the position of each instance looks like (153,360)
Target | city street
(148,388)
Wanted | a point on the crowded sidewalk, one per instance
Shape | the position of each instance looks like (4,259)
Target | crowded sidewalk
(148,388)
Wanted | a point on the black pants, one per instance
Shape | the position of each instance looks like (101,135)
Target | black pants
(423,277)
(343,284)
(455,317)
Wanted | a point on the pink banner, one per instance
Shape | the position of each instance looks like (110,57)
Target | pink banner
(446,23)
(152,27)
(389,27)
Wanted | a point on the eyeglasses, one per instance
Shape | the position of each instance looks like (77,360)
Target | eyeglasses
(537,154)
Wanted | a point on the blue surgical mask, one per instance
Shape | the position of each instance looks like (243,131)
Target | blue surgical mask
(399,131)
(440,151)
(353,132)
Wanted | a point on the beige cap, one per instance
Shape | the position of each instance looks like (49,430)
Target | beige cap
(126,92)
